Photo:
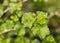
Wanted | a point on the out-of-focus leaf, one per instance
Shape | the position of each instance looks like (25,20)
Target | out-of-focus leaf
(50,39)
(12,8)
(21,32)
(19,14)
(28,19)
(6,40)
(19,29)
(14,18)
(58,38)
(51,9)
(9,23)
(18,6)
(35,41)
(1,20)
(13,0)
(36,30)
(1,9)
(5,3)
(21,40)
(42,18)
(44,31)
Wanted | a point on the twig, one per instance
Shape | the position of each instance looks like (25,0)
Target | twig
(53,14)
(6,30)
(4,12)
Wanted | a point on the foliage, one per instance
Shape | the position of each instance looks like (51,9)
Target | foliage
(17,26)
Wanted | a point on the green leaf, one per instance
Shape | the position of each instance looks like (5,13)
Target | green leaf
(3,27)
(35,30)
(19,29)
(7,25)
(14,18)
(35,41)
(28,19)
(1,10)
(44,31)
(19,13)
(42,18)
(21,32)
(1,20)
(12,8)
(50,39)
(5,3)
(10,24)
(21,39)
(18,6)
(6,40)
